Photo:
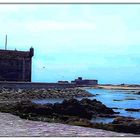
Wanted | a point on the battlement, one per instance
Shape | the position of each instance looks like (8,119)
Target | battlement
(14,54)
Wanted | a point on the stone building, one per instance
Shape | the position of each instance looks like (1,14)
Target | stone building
(16,65)
(87,82)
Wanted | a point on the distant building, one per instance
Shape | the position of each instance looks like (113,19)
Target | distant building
(63,82)
(80,81)
(16,65)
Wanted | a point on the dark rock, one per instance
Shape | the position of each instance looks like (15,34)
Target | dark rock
(71,107)
(122,119)
(96,107)
(132,109)
(117,108)
(117,100)
(79,122)
(138,93)
(126,125)
(85,108)
(108,115)
(130,99)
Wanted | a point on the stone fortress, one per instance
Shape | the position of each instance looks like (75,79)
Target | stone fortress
(16,65)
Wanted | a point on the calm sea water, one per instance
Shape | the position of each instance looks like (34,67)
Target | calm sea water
(121,99)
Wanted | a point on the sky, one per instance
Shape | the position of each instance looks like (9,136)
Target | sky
(94,41)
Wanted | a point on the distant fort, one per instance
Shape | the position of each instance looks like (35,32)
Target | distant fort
(16,65)
(81,82)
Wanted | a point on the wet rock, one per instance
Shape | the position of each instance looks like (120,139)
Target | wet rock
(85,109)
(108,115)
(138,93)
(132,109)
(117,108)
(121,124)
(79,122)
(72,107)
(126,124)
(96,107)
(130,99)
(117,100)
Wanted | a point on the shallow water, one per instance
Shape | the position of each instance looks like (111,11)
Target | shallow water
(121,99)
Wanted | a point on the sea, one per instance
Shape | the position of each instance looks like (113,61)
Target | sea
(117,99)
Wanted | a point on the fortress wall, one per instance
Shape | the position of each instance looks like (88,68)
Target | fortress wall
(16,65)
(31,85)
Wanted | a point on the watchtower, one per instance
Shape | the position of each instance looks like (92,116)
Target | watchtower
(16,65)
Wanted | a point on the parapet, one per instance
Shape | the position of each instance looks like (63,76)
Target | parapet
(14,54)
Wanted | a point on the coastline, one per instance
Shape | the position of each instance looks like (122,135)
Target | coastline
(11,99)
(117,87)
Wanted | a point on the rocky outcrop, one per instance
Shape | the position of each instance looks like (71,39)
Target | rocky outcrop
(62,112)
(73,112)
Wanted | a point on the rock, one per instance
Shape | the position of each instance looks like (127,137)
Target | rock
(117,108)
(96,106)
(130,98)
(85,109)
(138,93)
(122,119)
(43,93)
(117,100)
(132,109)
(72,107)
(79,122)
(127,125)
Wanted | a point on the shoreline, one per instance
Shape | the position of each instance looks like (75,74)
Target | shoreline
(116,87)
(18,96)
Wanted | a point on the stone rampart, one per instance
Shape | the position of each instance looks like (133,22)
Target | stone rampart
(34,85)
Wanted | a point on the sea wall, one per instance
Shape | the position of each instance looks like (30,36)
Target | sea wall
(34,85)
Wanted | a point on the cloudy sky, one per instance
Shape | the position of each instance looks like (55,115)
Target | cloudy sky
(93,41)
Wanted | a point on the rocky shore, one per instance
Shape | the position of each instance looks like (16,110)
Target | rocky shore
(73,112)
(70,111)
(25,94)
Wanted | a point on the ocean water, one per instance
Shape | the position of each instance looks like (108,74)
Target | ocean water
(120,99)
